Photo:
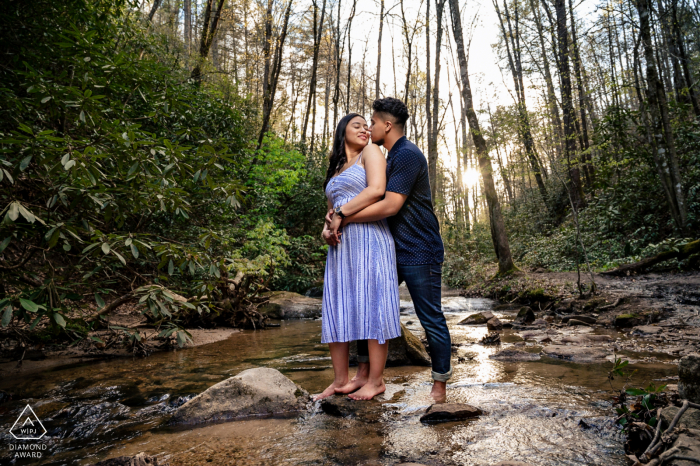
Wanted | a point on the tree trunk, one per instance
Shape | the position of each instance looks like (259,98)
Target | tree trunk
(379,50)
(409,46)
(551,95)
(271,77)
(318,31)
(680,45)
(514,60)
(433,130)
(154,8)
(568,105)
(208,31)
(498,229)
(187,6)
(338,63)
(681,252)
(428,93)
(352,16)
(582,92)
(662,141)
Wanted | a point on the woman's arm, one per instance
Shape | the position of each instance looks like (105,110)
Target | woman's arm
(375,168)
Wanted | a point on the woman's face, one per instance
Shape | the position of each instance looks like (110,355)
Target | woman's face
(357,132)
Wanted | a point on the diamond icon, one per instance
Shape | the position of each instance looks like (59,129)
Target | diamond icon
(28,426)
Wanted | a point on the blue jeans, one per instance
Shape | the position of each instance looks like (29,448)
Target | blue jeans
(424,282)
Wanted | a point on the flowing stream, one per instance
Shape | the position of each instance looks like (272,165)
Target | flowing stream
(548,412)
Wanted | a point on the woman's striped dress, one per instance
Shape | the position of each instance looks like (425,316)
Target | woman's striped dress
(361,290)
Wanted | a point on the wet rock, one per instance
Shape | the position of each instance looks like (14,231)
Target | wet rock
(647,330)
(494,324)
(540,323)
(586,319)
(477,319)
(287,305)
(491,339)
(447,412)
(341,406)
(599,338)
(406,350)
(575,353)
(514,355)
(139,460)
(578,323)
(688,443)
(689,378)
(594,303)
(314,292)
(690,418)
(257,392)
(525,315)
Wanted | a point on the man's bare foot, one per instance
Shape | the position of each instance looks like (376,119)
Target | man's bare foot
(368,391)
(331,390)
(356,383)
(439,391)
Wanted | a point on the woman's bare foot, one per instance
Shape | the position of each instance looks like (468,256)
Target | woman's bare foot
(439,392)
(331,390)
(368,391)
(355,383)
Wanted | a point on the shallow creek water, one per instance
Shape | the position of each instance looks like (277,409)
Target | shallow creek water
(548,412)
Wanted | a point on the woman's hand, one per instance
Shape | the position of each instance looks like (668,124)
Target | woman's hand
(334,226)
(328,238)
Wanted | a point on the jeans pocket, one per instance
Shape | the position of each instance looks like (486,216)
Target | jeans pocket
(436,269)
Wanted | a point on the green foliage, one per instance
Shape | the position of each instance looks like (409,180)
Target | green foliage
(115,171)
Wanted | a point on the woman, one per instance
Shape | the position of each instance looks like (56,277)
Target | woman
(360,294)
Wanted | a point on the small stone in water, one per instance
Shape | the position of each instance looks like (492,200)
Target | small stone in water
(446,412)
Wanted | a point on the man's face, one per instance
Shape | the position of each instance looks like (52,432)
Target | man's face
(378,128)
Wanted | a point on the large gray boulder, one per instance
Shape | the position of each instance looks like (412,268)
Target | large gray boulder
(259,392)
(690,418)
(288,305)
(689,378)
(406,350)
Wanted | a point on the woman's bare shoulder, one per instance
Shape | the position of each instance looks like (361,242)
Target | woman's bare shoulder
(372,150)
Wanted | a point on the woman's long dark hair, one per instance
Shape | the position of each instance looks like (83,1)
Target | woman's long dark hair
(338,155)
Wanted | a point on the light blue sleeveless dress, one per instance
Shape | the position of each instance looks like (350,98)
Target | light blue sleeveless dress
(360,290)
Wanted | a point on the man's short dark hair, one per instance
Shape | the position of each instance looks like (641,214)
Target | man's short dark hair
(390,106)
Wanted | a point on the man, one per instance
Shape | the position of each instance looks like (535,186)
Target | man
(408,208)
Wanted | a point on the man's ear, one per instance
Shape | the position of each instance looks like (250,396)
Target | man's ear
(388,126)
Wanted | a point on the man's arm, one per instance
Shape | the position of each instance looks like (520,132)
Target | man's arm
(387,207)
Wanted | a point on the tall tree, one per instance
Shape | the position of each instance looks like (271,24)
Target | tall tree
(272,72)
(209,27)
(661,138)
(515,64)
(379,50)
(347,89)
(317,33)
(568,105)
(498,228)
(187,7)
(434,122)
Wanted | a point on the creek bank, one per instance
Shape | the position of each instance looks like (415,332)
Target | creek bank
(258,392)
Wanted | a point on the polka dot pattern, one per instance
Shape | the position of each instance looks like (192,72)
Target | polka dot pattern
(415,227)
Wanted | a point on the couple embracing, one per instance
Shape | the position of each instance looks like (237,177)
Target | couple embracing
(382,231)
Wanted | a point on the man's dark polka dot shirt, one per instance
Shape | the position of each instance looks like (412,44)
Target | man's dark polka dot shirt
(415,227)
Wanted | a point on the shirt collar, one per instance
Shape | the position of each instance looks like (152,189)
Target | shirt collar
(397,145)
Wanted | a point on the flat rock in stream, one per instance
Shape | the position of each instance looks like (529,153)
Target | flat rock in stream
(341,406)
(479,318)
(586,319)
(406,350)
(258,392)
(688,442)
(575,353)
(448,412)
(288,305)
(647,330)
(578,323)
(138,460)
(514,355)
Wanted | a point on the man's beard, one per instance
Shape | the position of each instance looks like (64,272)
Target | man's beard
(379,142)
